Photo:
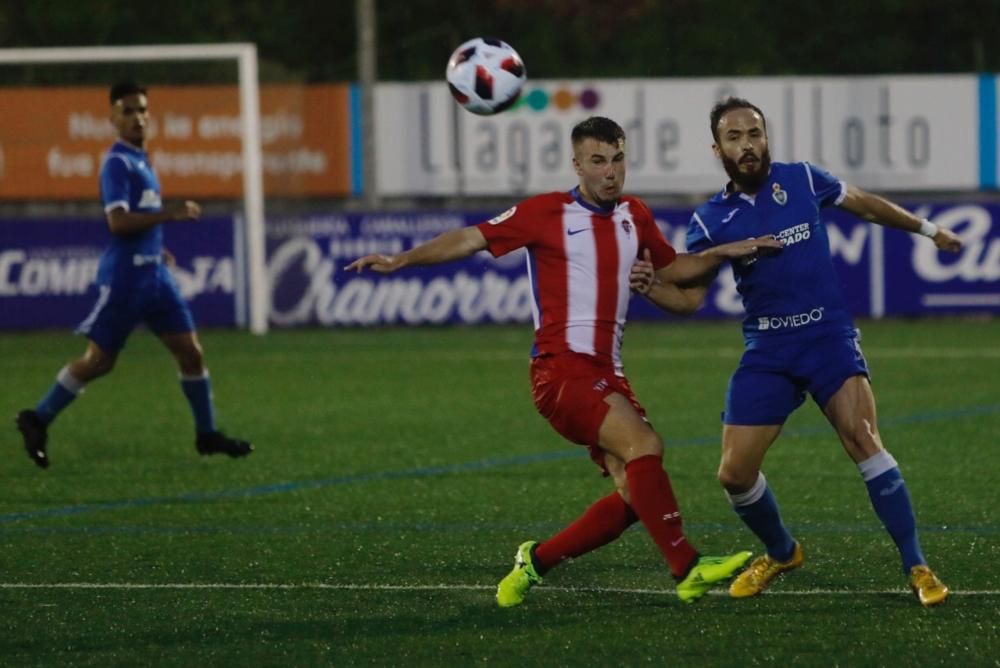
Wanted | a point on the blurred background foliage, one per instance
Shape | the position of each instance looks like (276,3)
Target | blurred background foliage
(316,41)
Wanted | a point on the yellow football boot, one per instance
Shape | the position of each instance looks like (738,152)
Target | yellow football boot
(926,586)
(761,571)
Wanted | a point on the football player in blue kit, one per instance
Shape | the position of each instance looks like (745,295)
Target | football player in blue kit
(134,287)
(799,338)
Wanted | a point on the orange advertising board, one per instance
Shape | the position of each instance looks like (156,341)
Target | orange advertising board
(52,141)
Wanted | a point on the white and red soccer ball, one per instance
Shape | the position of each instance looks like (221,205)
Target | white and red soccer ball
(485,75)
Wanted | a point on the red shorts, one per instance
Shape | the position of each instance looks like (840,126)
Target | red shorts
(569,391)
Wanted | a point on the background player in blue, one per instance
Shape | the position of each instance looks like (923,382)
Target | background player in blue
(799,338)
(134,287)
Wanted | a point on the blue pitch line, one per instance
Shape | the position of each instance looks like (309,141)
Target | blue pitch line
(431,471)
(451,528)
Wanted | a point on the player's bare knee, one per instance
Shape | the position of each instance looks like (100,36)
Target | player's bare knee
(649,444)
(93,365)
(861,440)
(736,481)
(191,360)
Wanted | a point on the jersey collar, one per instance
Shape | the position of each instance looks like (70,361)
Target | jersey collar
(728,194)
(575,194)
(128,148)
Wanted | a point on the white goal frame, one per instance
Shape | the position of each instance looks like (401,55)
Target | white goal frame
(245,55)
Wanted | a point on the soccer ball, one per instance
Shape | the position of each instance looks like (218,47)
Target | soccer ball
(485,75)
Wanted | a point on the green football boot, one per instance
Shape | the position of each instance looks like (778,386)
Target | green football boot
(513,588)
(707,572)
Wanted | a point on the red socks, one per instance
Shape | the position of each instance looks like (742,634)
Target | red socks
(653,501)
(603,522)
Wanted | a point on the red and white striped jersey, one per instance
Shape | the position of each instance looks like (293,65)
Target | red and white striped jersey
(579,258)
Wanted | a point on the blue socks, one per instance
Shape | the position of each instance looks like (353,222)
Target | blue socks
(759,511)
(891,502)
(198,390)
(60,395)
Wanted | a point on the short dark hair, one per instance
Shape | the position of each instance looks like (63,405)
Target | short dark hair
(728,105)
(125,88)
(599,128)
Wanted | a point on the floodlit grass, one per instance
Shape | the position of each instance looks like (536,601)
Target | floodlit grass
(397,470)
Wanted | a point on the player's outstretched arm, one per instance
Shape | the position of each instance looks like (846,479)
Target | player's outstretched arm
(121,221)
(452,245)
(875,209)
(667,296)
(694,268)
(681,286)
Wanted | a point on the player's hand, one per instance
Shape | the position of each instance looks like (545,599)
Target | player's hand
(641,276)
(188,210)
(947,240)
(761,246)
(382,264)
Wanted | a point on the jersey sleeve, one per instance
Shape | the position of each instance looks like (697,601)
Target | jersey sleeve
(514,228)
(828,189)
(651,238)
(698,238)
(115,184)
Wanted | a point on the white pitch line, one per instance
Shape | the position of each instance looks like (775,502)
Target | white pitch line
(446,587)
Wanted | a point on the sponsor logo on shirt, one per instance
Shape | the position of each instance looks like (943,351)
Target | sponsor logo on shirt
(572,232)
(140,260)
(789,321)
(793,235)
(150,199)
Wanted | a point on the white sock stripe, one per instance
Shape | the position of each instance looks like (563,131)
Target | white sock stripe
(752,495)
(876,465)
(203,376)
(68,381)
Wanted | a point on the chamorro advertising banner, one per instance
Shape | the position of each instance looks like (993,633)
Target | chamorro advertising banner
(47,270)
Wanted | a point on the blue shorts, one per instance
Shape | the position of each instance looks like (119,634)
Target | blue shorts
(149,297)
(772,380)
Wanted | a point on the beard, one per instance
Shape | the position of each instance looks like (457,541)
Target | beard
(749,182)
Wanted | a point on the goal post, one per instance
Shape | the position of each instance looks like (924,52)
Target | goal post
(245,56)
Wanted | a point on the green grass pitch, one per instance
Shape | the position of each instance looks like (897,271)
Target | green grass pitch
(397,470)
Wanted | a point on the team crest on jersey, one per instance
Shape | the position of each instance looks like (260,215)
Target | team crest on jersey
(779,195)
(503,216)
(627,226)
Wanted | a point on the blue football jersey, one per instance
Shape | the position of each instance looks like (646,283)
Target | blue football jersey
(128,181)
(795,289)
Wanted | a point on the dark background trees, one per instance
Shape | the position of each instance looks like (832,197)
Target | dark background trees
(310,40)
